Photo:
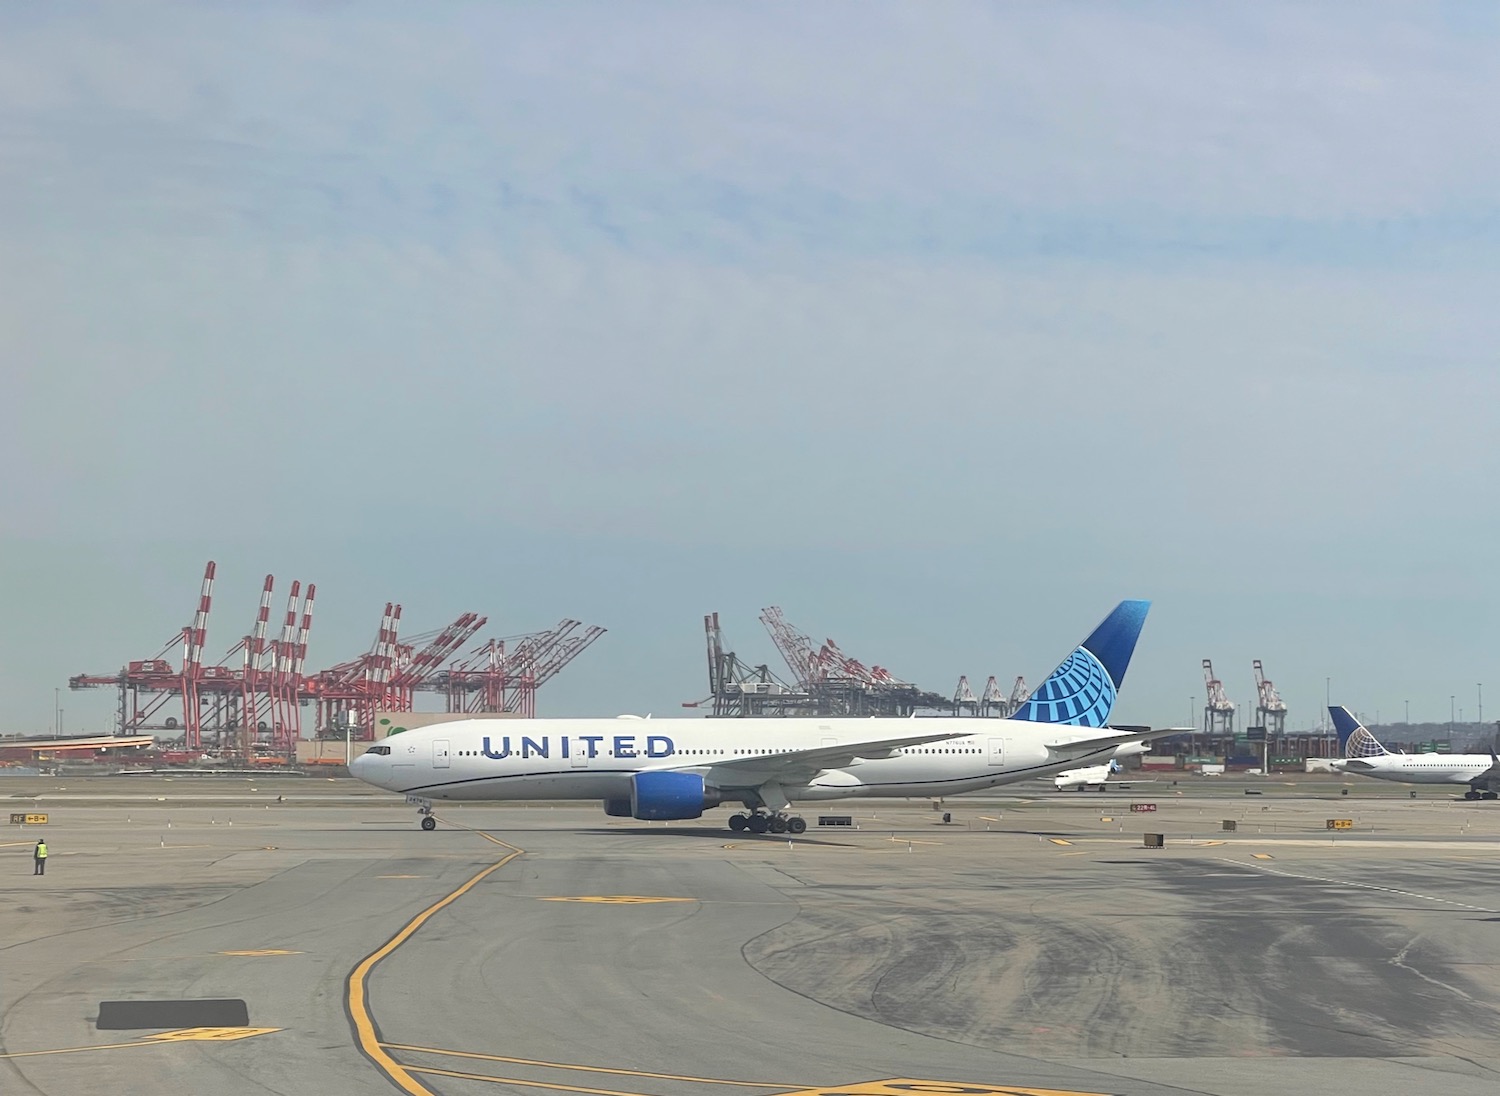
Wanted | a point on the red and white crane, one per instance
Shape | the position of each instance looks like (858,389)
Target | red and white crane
(992,700)
(964,698)
(1218,709)
(1270,709)
(796,649)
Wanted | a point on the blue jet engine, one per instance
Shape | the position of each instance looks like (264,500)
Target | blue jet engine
(663,797)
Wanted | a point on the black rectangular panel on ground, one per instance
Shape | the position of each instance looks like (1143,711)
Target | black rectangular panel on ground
(133,1015)
(1156,841)
(835,820)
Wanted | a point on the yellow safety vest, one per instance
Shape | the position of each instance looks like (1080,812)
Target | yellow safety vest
(41,852)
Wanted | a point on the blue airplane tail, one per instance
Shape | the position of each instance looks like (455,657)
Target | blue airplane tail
(1355,739)
(1081,692)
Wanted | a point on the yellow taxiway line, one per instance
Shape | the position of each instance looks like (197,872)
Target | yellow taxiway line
(160,1039)
(356,995)
(518,1082)
(507,1060)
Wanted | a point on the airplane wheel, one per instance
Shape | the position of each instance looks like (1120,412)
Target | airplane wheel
(429,823)
(1471,794)
(796,825)
(776,824)
(757,823)
(738,822)
(1489,795)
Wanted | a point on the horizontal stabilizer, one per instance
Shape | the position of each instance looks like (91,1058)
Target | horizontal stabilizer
(1077,746)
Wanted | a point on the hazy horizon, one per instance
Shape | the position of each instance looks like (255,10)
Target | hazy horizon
(943,327)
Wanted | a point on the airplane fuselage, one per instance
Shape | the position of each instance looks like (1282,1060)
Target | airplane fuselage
(507,759)
(1419,768)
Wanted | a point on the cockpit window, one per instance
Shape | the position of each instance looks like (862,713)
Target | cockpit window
(383,751)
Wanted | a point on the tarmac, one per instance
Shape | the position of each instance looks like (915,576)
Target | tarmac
(1031,944)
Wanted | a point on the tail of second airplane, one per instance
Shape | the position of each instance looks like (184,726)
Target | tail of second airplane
(1081,692)
(1355,739)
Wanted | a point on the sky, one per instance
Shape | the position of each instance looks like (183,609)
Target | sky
(942,326)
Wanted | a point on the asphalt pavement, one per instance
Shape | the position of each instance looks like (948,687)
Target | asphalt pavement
(1033,943)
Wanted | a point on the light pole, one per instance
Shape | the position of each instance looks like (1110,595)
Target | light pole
(1480,717)
(57,712)
(1327,700)
(1451,699)
(1408,712)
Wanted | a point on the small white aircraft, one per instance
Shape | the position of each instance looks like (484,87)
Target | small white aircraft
(677,769)
(1098,776)
(1364,755)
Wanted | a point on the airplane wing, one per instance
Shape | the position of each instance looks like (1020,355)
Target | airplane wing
(800,766)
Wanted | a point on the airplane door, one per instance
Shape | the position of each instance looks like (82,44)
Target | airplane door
(997,752)
(440,753)
(830,742)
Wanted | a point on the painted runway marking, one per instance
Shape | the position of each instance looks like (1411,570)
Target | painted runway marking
(583,1069)
(356,995)
(211,1034)
(401,877)
(615,899)
(261,951)
(1262,856)
(1362,886)
(518,1082)
(186,1035)
(1059,841)
(901,1086)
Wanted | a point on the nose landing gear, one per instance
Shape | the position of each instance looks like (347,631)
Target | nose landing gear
(424,808)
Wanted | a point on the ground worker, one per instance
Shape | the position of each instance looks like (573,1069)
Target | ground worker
(40,857)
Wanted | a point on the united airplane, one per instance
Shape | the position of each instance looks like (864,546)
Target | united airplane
(1363,754)
(678,769)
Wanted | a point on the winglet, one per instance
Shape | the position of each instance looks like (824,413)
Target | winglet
(1081,692)
(1355,739)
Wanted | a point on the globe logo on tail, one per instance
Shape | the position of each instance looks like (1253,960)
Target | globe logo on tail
(1363,744)
(1079,693)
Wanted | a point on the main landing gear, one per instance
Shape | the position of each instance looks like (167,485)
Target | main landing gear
(1475,793)
(765,822)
